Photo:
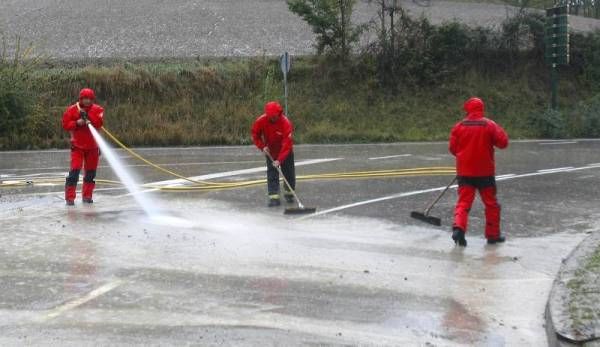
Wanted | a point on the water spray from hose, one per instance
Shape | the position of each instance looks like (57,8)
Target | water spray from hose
(149,207)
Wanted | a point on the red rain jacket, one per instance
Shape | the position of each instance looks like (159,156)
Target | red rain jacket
(274,130)
(81,136)
(472,142)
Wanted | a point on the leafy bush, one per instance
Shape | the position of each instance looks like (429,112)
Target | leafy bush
(589,112)
(331,21)
(549,124)
(16,100)
(585,57)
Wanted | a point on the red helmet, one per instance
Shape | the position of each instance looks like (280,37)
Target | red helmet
(87,93)
(273,109)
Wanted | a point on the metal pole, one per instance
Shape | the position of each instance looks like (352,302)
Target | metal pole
(554,81)
(285,92)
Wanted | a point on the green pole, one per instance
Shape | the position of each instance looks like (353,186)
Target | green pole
(554,81)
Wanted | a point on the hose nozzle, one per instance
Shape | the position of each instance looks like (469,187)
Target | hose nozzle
(84,115)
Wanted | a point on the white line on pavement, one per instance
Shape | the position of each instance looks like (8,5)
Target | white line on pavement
(210,148)
(66,167)
(557,143)
(78,302)
(391,156)
(557,169)
(431,190)
(180,182)
(238,172)
(423,157)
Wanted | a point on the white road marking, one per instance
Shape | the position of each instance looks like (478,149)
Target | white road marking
(557,143)
(366,202)
(178,182)
(181,182)
(422,157)
(62,185)
(557,169)
(179,149)
(45,174)
(431,190)
(66,167)
(78,302)
(391,156)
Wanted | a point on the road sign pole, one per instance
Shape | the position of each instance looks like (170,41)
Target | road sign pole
(285,64)
(554,81)
(285,92)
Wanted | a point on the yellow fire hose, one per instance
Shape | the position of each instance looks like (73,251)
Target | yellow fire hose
(199,185)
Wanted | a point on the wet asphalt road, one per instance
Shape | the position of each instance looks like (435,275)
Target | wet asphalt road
(238,273)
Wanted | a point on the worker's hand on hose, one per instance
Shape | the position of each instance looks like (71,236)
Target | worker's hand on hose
(80,122)
(276,163)
(266,150)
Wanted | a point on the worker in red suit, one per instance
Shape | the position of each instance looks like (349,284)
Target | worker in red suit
(272,134)
(84,149)
(473,142)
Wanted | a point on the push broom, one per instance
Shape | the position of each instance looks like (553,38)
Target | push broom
(424,216)
(301,209)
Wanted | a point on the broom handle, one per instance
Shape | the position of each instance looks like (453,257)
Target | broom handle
(440,196)
(286,182)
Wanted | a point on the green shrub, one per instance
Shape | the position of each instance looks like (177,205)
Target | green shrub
(585,57)
(331,21)
(590,117)
(549,124)
(16,99)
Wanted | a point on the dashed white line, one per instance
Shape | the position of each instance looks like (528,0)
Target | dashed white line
(422,157)
(557,143)
(391,156)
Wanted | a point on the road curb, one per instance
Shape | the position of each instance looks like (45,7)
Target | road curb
(560,328)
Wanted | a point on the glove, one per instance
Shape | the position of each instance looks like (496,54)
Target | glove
(266,150)
(80,122)
(276,163)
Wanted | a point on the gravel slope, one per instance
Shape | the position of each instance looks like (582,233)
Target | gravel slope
(189,28)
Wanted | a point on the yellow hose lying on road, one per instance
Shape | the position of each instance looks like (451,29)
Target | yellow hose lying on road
(199,185)
(249,183)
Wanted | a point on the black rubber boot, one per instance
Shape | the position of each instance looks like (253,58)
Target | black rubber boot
(88,201)
(500,239)
(274,202)
(459,237)
(70,203)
